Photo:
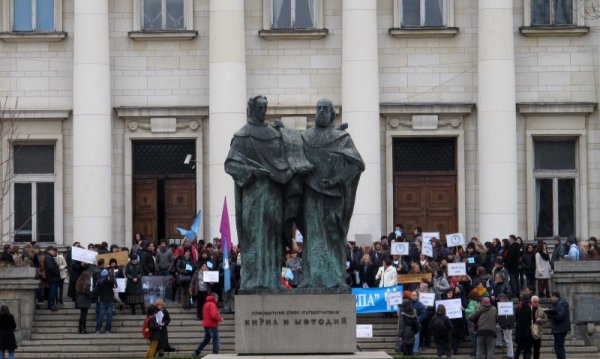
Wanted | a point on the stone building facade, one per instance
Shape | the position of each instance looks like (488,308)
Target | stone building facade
(473,116)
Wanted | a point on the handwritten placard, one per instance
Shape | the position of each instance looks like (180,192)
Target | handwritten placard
(457,269)
(427,249)
(121,257)
(399,248)
(83,255)
(428,299)
(364,330)
(121,285)
(414,278)
(453,307)
(394,298)
(210,276)
(506,308)
(455,240)
(429,236)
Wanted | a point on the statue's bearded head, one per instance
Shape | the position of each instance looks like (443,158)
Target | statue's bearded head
(325,113)
(257,108)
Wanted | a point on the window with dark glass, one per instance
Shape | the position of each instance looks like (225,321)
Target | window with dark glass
(33,15)
(552,12)
(293,14)
(555,188)
(163,15)
(423,13)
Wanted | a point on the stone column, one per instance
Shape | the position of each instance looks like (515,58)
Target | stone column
(92,151)
(496,121)
(360,108)
(227,102)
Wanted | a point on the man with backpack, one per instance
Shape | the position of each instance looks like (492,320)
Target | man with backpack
(210,322)
(440,328)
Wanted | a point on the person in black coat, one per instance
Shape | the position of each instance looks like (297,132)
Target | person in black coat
(511,263)
(52,277)
(147,260)
(523,337)
(528,266)
(366,272)
(8,342)
(561,322)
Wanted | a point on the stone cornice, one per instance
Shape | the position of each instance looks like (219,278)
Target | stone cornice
(179,112)
(35,114)
(389,108)
(540,108)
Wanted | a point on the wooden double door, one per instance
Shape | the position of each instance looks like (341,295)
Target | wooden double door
(161,205)
(427,200)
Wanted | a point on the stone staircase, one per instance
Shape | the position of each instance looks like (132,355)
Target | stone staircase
(54,335)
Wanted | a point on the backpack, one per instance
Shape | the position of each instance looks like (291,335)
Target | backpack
(437,326)
(146,331)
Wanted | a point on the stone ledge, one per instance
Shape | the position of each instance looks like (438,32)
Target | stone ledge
(556,107)
(358,355)
(426,108)
(293,34)
(163,35)
(179,112)
(32,36)
(561,31)
(16,273)
(35,114)
(422,32)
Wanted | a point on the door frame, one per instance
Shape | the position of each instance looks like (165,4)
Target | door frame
(459,135)
(128,168)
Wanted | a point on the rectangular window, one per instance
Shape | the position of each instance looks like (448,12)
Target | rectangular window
(293,14)
(555,185)
(34,15)
(422,13)
(163,15)
(33,193)
(552,12)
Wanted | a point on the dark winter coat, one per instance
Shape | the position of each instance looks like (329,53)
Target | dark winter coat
(106,293)
(408,327)
(523,321)
(367,275)
(528,263)
(163,342)
(147,262)
(134,271)
(513,257)
(448,327)
(8,325)
(52,269)
(559,317)
(485,319)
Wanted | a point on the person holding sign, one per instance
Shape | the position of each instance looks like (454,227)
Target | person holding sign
(184,269)
(506,321)
(200,289)
(134,293)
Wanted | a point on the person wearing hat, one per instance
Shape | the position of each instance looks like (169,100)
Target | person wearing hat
(485,318)
(506,323)
(106,301)
(52,276)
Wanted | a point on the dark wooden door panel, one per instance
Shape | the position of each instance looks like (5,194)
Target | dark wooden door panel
(144,207)
(180,205)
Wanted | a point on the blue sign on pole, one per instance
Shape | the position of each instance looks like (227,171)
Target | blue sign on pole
(373,300)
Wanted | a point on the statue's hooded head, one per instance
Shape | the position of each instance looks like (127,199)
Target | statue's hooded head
(257,108)
(325,113)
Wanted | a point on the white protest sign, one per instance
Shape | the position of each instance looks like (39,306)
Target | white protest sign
(453,307)
(364,330)
(427,249)
(455,240)
(457,269)
(506,308)
(83,255)
(427,299)
(429,236)
(121,285)
(211,276)
(399,248)
(159,316)
(394,298)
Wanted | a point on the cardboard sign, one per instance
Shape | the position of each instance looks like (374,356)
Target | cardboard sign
(399,248)
(413,278)
(429,236)
(363,240)
(121,257)
(394,298)
(457,269)
(455,240)
(453,308)
(364,330)
(428,299)
(121,285)
(427,249)
(83,255)
(210,276)
(506,308)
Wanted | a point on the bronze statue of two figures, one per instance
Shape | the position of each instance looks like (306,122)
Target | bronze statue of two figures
(284,176)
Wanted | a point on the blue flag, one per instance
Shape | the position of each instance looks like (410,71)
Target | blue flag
(226,244)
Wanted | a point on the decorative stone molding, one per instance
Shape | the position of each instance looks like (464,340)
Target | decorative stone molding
(178,112)
(147,125)
(424,122)
(541,108)
(423,32)
(162,119)
(163,35)
(561,31)
(35,114)
(300,34)
(424,116)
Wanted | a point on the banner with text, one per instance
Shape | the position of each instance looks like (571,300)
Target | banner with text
(373,300)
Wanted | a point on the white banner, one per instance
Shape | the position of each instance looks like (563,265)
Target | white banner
(453,307)
(121,285)
(428,299)
(364,330)
(428,236)
(399,248)
(394,298)
(427,249)
(455,240)
(506,308)
(83,255)
(457,269)
(210,276)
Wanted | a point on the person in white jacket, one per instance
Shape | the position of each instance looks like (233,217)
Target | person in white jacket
(387,276)
(542,269)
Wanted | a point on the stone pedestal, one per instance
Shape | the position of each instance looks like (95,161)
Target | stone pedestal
(295,324)
(17,291)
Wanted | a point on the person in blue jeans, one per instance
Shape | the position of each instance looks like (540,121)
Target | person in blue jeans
(561,322)
(421,316)
(52,276)
(106,301)
(210,321)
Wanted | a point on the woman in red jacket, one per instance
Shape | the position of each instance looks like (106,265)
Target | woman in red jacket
(211,320)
